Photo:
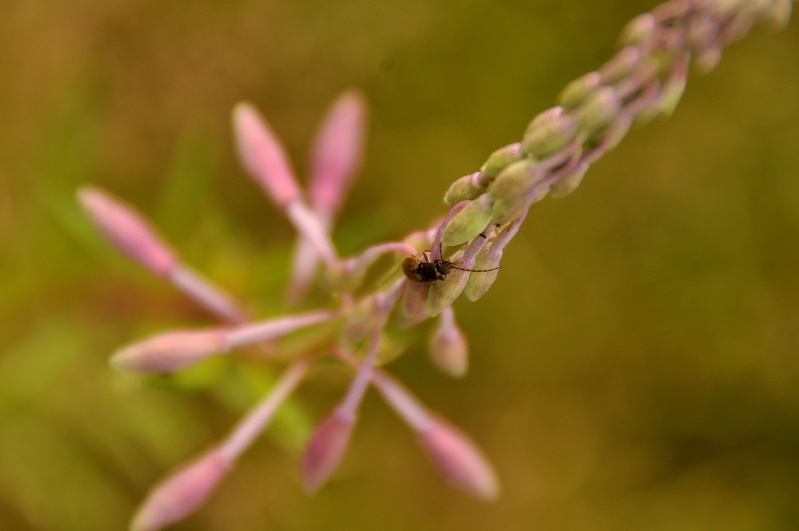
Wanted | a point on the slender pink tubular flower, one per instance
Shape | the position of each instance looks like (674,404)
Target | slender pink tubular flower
(459,459)
(263,155)
(128,230)
(455,455)
(132,234)
(335,160)
(264,158)
(337,154)
(326,447)
(171,351)
(181,493)
(184,491)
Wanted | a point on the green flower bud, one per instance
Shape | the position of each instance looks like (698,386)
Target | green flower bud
(621,66)
(480,281)
(500,158)
(465,188)
(618,130)
(598,110)
(577,90)
(443,294)
(673,90)
(639,29)
(569,182)
(549,132)
(469,222)
(513,190)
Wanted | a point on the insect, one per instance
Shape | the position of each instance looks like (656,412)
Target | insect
(427,271)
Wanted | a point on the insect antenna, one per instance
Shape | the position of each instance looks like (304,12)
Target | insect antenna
(475,270)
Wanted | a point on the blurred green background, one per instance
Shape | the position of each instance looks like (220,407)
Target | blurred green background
(634,367)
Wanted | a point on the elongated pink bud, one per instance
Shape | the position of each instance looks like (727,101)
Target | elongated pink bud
(325,449)
(337,153)
(181,493)
(127,229)
(448,348)
(459,459)
(263,155)
(170,351)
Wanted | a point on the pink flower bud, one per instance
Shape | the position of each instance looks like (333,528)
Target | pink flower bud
(459,460)
(263,156)
(170,351)
(449,350)
(325,448)
(127,230)
(182,493)
(337,153)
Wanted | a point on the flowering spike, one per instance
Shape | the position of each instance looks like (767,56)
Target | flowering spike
(459,460)
(263,155)
(181,493)
(127,230)
(326,448)
(337,153)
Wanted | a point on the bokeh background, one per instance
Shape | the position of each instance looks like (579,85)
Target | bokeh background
(634,367)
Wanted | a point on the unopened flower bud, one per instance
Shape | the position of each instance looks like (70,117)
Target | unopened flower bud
(170,351)
(672,93)
(459,460)
(448,348)
(569,182)
(500,158)
(549,132)
(574,93)
(128,230)
(182,493)
(639,29)
(469,222)
(465,188)
(598,110)
(514,189)
(621,65)
(325,449)
(413,308)
(480,282)
(263,156)
(443,294)
(337,153)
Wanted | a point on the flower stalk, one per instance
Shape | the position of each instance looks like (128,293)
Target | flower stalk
(644,80)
